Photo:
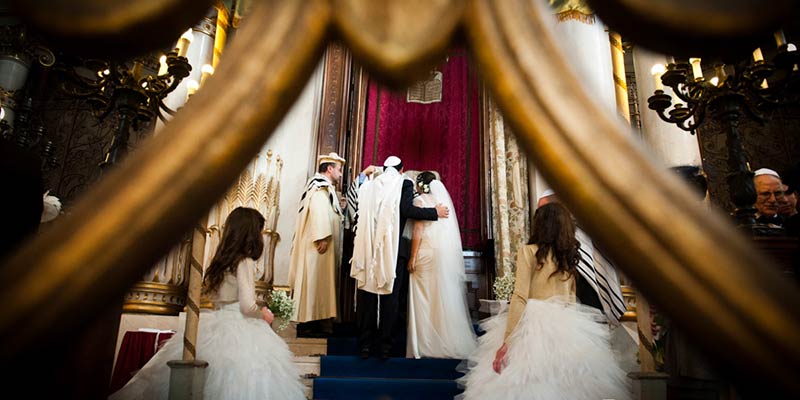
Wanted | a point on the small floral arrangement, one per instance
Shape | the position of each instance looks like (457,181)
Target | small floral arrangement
(282,306)
(424,187)
(504,286)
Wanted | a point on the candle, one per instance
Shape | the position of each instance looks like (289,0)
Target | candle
(191,88)
(757,56)
(780,39)
(183,43)
(697,70)
(162,65)
(207,70)
(657,71)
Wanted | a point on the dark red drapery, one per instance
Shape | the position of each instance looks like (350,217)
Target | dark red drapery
(443,136)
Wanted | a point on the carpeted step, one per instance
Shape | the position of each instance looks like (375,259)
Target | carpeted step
(398,368)
(388,389)
(342,346)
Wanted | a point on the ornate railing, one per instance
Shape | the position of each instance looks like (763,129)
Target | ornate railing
(694,265)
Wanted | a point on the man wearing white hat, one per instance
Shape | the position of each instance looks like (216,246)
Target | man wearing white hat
(316,248)
(769,191)
(380,253)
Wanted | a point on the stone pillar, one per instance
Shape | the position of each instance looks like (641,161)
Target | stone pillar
(669,144)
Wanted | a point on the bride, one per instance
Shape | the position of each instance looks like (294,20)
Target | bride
(438,317)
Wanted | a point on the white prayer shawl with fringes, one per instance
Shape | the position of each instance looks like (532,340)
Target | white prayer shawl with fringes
(377,233)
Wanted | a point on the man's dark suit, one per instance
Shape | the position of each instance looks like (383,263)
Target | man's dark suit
(379,339)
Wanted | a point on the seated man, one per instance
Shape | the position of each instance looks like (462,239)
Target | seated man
(769,192)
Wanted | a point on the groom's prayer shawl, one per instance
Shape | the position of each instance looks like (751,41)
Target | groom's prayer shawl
(377,233)
(601,275)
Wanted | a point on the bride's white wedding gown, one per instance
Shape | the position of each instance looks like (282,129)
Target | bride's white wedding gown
(438,317)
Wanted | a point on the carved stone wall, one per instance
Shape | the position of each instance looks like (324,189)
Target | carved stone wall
(80,140)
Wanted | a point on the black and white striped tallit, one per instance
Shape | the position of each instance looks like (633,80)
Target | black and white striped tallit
(351,211)
(602,276)
(317,182)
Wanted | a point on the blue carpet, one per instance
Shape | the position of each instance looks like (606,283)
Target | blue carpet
(383,389)
(348,377)
(398,368)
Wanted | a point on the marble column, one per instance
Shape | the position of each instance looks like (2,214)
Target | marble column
(667,143)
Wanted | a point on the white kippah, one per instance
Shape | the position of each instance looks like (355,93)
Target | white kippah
(392,161)
(767,171)
(548,192)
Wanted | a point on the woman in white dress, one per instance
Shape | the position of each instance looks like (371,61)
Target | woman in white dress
(247,360)
(547,346)
(439,325)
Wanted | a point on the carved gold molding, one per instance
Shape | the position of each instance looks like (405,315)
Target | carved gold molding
(155,298)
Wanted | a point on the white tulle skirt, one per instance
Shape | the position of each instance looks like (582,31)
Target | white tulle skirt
(557,351)
(247,360)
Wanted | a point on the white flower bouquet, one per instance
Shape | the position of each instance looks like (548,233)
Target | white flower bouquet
(282,306)
(504,286)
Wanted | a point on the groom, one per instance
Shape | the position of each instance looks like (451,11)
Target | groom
(380,254)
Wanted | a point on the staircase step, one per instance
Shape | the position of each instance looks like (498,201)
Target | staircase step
(309,366)
(378,388)
(308,346)
(399,368)
(308,388)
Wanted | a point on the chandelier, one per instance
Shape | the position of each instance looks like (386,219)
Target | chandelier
(743,88)
(124,88)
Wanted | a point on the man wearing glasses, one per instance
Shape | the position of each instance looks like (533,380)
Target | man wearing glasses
(769,192)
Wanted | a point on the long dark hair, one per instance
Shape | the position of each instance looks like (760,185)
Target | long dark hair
(241,238)
(554,233)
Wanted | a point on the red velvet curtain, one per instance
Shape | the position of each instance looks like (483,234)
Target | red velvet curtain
(443,136)
(135,351)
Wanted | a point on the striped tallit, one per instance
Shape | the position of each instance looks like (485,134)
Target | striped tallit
(602,276)
(319,181)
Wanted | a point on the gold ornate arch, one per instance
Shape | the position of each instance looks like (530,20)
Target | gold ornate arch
(702,272)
